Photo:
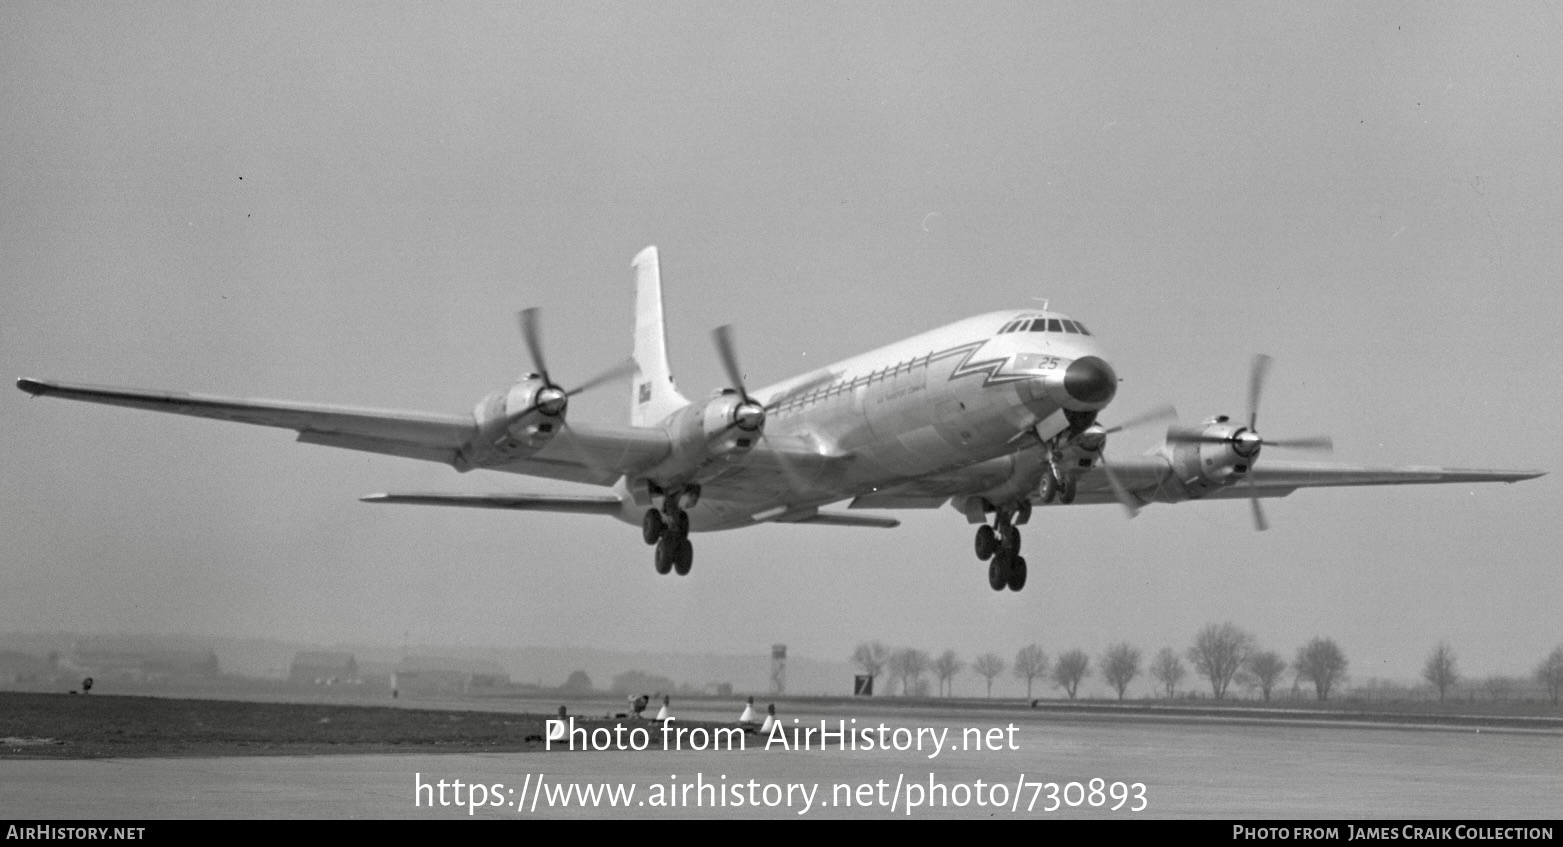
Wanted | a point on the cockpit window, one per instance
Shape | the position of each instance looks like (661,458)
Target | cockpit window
(1053,325)
(1039,325)
(1083,330)
(1069,326)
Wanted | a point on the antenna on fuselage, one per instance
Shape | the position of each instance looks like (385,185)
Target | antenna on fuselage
(1043,301)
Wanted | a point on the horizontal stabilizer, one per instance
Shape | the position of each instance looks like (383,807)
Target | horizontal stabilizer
(843,519)
(585,504)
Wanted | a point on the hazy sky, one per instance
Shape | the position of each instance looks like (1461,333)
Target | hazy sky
(348,203)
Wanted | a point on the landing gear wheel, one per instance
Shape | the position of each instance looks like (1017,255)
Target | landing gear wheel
(1048,489)
(678,522)
(995,574)
(1009,539)
(666,552)
(1017,574)
(652,527)
(1067,490)
(684,557)
(987,542)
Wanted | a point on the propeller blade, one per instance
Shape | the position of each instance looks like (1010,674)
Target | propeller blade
(1260,523)
(1256,381)
(1119,491)
(1159,413)
(723,336)
(795,481)
(1313,442)
(532,335)
(622,369)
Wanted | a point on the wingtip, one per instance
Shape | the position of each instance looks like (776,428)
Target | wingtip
(374,498)
(33,386)
(647,255)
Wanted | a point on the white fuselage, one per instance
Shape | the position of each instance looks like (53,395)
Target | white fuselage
(943,400)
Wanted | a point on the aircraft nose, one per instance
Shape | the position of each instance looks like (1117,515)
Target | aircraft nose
(1090,380)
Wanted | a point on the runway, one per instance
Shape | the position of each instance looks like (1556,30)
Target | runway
(1165,769)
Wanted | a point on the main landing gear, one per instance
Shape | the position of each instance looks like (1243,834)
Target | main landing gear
(668,529)
(999,546)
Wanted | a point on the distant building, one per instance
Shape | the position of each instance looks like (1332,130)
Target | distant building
(440,675)
(145,665)
(323,668)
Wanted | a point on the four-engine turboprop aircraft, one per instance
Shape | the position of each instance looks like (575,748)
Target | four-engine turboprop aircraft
(994,414)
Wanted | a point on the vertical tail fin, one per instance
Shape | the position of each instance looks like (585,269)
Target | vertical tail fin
(653,396)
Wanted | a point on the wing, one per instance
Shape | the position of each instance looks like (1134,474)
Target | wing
(412,435)
(1144,477)
(586,453)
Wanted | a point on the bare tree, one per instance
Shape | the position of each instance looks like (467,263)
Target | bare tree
(1218,652)
(990,666)
(1440,669)
(1030,663)
(945,668)
(1265,668)
(1550,673)
(1321,662)
(871,657)
(1070,668)
(908,665)
(1168,670)
(1120,665)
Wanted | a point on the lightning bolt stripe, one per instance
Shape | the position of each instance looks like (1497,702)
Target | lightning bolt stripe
(990,369)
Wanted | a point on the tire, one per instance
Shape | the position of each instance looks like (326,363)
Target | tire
(1048,489)
(678,522)
(1009,540)
(665,555)
(987,542)
(1017,574)
(995,576)
(652,527)
(1067,491)
(684,557)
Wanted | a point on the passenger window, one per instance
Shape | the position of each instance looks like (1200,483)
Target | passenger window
(1069,326)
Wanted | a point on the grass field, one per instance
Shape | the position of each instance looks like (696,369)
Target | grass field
(62,726)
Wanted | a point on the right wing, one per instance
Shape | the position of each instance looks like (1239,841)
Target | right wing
(586,453)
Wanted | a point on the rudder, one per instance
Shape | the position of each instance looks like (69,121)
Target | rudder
(653,396)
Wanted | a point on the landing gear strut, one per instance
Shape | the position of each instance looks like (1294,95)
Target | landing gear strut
(668,529)
(999,546)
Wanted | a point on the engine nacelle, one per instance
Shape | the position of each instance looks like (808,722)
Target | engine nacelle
(1212,455)
(516,423)
(721,429)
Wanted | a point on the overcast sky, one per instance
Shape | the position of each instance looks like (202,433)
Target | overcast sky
(347,203)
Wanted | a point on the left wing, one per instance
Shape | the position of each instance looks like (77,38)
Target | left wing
(1144,476)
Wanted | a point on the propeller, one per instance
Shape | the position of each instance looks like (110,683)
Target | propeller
(1246,442)
(1120,491)
(551,399)
(749,416)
